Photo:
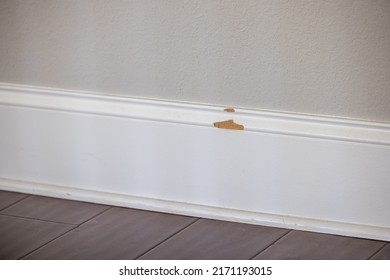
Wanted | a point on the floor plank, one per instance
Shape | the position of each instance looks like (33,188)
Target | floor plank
(383,254)
(19,236)
(9,198)
(55,210)
(301,245)
(118,233)
(211,239)
(46,228)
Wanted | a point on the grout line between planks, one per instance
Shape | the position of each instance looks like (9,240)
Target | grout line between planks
(288,232)
(61,235)
(377,252)
(166,239)
(12,204)
(36,219)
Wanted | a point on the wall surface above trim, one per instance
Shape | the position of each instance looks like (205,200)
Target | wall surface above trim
(314,57)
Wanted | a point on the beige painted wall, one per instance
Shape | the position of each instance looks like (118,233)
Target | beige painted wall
(316,57)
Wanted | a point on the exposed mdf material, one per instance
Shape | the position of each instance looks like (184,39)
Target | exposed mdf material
(229,124)
(288,170)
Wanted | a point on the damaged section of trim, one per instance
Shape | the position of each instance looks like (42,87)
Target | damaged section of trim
(229,124)
(230,110)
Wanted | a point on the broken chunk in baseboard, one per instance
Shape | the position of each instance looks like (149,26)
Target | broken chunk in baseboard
(229,124)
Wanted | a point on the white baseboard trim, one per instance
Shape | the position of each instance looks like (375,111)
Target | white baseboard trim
(296,171)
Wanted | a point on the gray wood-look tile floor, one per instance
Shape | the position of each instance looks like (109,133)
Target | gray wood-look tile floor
(35,227)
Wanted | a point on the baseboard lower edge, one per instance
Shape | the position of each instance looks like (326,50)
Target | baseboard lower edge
(202,211)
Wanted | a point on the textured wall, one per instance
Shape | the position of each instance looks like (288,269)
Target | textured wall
(317,57)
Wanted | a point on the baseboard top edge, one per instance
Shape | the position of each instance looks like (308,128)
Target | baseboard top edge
(292,124)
